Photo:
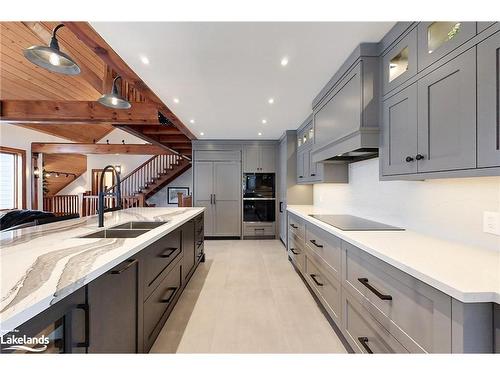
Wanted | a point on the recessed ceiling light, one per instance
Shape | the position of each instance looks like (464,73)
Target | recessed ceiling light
(201,133)
(270,100)
(145,60)
(176,100)
(264,121)
(284,61)
(191,121)
(259,133)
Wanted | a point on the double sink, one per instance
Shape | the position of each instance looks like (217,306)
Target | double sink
(131,229)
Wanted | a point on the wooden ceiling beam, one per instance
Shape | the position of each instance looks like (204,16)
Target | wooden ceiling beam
(174,139)
(44,34)
(98,148)
(98,45)
(75,112)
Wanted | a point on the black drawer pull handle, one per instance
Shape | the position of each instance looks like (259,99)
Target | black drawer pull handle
(130,264)
(301,176)
(256,229)
(313,174)
(313,276)
(293,226)
(420,157)
(385,297)
(86,309)
(409,159)
(170,297)
(293,251)
(315,243)
(364,343)
(171,250)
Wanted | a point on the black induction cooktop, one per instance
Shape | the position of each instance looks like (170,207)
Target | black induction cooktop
(351,223)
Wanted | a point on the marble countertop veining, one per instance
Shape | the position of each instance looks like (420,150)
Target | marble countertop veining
(41,265)
(466,273)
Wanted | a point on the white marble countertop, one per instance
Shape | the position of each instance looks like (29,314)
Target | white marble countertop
(41,265)
(466,273)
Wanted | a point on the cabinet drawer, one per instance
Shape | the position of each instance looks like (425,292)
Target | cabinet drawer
(418,315)
(259,229)
(363,332)
(326,246)
(296,251)
(297,226)
(160,303)
(326,287)
(158,256)
(437,39)
(400,62)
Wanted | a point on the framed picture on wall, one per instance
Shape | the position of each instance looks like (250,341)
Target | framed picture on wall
(172,193)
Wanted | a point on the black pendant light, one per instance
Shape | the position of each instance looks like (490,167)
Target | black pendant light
(114,100)
(51,57)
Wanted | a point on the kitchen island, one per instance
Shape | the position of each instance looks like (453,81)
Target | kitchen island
(123,281)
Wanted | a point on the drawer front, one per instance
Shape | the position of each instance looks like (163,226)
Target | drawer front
(363,332)
(158,256)
(326,287)
(259,229)
(160,303)
(199,232)
(437,39)
(418,315)
(326,246)
(296,251)
(297,226)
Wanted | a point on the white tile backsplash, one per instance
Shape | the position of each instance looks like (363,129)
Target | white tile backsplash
(451,209)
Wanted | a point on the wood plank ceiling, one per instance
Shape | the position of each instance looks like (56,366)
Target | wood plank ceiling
(22,80)
(71,163)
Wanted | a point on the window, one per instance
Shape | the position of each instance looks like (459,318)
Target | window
(12,178)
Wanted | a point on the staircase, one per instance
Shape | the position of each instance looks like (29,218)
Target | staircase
(155,173)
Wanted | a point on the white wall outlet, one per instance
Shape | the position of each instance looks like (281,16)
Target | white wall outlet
(491,222)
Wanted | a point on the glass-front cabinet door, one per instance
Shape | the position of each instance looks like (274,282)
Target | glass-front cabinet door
(437,39)
(400,62)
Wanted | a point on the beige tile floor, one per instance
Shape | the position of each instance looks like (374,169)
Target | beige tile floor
(246,298)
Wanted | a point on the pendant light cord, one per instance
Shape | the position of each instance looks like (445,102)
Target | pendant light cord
(57,28)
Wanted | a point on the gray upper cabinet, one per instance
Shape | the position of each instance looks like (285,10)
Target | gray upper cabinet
(346,111)
(400,62)
(398,147)
(309,171)
(481,26)
(260,158)
(447,116)
(488,102)
(437,39)
(252,159)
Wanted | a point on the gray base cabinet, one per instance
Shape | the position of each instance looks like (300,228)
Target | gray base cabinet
(114,326)
(380,309)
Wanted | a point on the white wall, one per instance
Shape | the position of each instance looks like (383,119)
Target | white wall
(161,197)
(451,209)
(21,138)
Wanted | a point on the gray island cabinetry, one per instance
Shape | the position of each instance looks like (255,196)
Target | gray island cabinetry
(124,309)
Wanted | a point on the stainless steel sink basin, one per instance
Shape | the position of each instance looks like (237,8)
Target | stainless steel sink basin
(140,225)
(117,233)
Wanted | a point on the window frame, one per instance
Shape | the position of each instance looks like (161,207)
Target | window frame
(20,160)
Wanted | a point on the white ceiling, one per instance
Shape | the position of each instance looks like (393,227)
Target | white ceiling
(224,73)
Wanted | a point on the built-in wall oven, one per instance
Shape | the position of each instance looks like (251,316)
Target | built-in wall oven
(259,197)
